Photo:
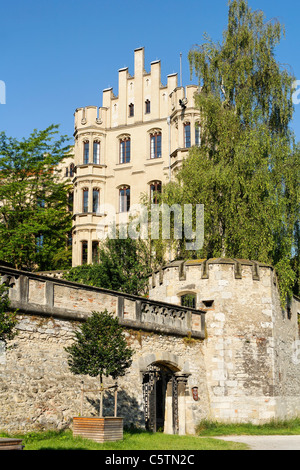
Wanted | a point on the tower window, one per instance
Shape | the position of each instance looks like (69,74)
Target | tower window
(84,252)
(188,300)
(96,200)
(96,152)
(85,201)
(187,135)
(86,153)
(95,252)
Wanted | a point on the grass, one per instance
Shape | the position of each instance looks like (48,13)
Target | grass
(133,440)
(205,439)
(274,427)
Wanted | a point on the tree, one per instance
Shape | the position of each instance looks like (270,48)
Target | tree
(100,348)
(246,171)
(123,266)
(34,219)
(8,319)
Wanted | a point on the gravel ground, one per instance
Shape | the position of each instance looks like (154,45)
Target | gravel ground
(267,442)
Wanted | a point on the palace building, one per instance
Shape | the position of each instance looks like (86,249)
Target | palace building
(128,147)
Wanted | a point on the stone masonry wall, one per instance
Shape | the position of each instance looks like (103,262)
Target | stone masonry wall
(36,387)
(249,338)
(38,391)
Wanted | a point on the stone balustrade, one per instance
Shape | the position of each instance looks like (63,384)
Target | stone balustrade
(32,293)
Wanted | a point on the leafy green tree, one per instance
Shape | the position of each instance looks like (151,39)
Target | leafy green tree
(246,171)
(123,266)
(34,219)
(100,349)
(8,319)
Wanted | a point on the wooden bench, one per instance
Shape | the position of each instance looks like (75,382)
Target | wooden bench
(10,444)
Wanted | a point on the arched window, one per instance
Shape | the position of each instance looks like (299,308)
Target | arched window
(155,145)
(124,199)
(124,150)
(131,110)
(187,135)
(147,106)
(155,189)
(188,300)
(86,152)
(96,152)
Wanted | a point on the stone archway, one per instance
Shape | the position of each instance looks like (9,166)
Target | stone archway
(164,390)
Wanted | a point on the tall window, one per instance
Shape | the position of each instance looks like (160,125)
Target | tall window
(70,201)
(124,195)
(86,152)
(125,150)
(187,135)
(155,145)
(197,134)
(96,152)
(84,252)
(155,189)
(85,200)
(188,300)
(96,200)
(131,110)
(95,252)
(71,170)
(147,107)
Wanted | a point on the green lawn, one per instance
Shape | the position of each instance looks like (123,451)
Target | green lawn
(206,438)
(211,428)
(136,440)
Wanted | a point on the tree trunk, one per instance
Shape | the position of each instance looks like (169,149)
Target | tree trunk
(101,398)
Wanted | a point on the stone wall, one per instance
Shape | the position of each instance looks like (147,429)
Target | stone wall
(39,392)
(242,355)
(249,350)
(37,389)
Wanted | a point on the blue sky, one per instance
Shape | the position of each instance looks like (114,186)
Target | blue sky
(58,55)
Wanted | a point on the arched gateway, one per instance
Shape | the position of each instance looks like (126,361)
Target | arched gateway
(164,390)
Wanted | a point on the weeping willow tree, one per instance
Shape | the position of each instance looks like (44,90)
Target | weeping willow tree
(246,170)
